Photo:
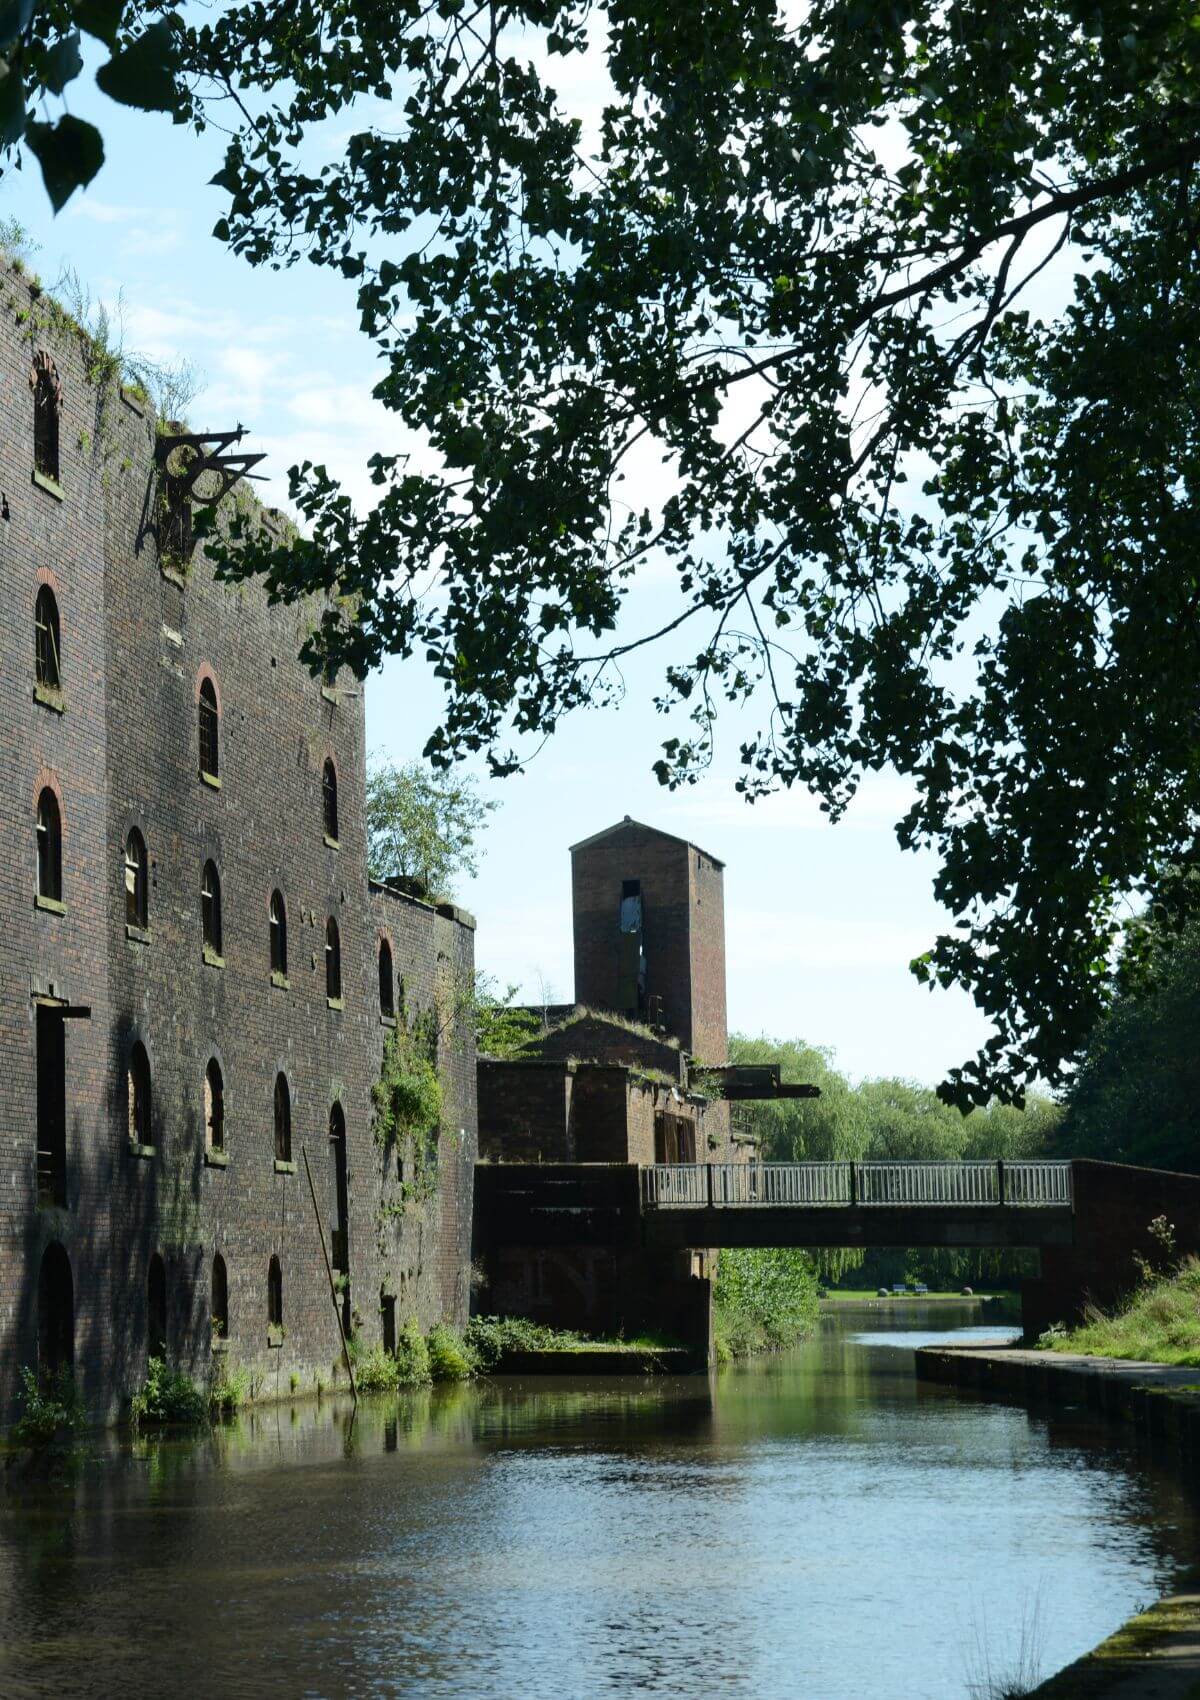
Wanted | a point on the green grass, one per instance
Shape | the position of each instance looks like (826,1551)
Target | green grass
(1159,1323)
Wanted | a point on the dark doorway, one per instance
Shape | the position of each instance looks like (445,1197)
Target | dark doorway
(156,1308)
(56,1313)
(341,1198)
(51,1107)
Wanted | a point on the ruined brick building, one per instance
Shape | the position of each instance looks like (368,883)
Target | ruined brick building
(198,976)
(635,1072)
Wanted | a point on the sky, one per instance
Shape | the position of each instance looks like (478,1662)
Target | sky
(821,920)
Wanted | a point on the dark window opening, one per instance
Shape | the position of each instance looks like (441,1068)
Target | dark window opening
(214,1106)
(47,400)
(210,908)
(340,1256)
(387,989)
(138,1099)
(333,960)
(51,1108)
(156,1308)
(275,1294)
(283,1120)
(278,934)
(49,847)
(210,722)
(631,954)
(329,796)
(56,1314)
(631,888)
(220,1299)
(175,519)
(135,879)
(47,640)
(387,1308)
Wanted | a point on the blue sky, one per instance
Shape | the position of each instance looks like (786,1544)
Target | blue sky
(821,921)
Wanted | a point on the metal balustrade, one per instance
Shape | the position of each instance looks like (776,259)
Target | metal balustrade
(871,1185)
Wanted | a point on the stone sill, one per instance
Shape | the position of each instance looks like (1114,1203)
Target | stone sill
(136,1150)
(216,1159)
(50,698)
(212,958)
(332,843)
(284,1166)
(387,1021)
(137,935)
(336,1003)
(51,485)
(210,779)
(328,692)
(220,1343)
(280,980)
(51,905)
(274,1335)
(133,401)
(173,574)
(174,638)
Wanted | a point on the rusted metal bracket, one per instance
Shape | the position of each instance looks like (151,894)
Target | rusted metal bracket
(209,455)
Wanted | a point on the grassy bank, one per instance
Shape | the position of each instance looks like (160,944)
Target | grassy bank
(763,1301)
(1159,1323)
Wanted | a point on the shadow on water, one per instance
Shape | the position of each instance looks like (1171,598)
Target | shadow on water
(818,1524)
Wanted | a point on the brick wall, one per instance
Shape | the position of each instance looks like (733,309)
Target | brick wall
(135,643)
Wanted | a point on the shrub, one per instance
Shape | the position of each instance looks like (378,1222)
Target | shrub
(228,1390)
(51,1408)
(491,1338)
(377,1371)
(167,1396)
(764,1300)
(412,1355)
(449,1357)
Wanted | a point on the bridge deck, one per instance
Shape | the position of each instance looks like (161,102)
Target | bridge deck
(857,1204)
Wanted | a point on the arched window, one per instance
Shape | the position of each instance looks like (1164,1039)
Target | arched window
(214,1106)
(135,879)
(138,1096)
(387,984)
(47,401)
(283,1120)
(49,847)
(278,935)
(47,641)
(220,1299)
(333,960)
(340,1249)
(210,722)
(56,1313)
(275,1294)
(210,908)
(156,1308)
(329,799)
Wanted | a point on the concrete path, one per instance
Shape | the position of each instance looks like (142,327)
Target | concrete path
(1155,1656)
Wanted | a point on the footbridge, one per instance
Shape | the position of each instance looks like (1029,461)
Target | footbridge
(1006,1204)
(1088,1221)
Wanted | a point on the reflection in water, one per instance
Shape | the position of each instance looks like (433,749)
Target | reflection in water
(817,1525)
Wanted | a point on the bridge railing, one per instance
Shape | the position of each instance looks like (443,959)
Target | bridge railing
(1025,1185)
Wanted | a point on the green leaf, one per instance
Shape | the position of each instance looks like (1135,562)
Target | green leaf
(101,18)
(62,63)
(70,154)
(143,74)
(12,108)
(15,16)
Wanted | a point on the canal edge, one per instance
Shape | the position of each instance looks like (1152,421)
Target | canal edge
(1155,1655)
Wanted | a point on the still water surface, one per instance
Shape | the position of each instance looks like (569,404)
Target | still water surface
(811,1527)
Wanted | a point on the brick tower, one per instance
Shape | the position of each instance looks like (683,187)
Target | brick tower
(649,920)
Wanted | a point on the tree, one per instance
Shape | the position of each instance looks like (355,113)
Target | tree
(1134,1100)
(926,516)
(421,825)
(41,54)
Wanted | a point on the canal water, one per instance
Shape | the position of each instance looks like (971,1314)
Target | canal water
(816,1526)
